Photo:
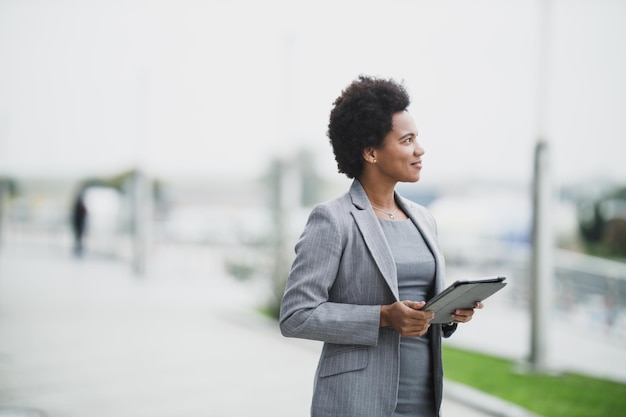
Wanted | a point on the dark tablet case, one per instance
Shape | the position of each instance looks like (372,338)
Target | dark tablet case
(463,295)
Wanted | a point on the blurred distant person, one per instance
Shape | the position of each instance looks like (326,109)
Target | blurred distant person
(79,222)
(364,265)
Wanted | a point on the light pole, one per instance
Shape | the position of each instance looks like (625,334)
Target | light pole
(542,270)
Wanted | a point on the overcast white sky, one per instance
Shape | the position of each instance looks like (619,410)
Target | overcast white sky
(216,88)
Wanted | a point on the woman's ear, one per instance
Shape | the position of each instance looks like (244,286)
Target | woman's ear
(369,154)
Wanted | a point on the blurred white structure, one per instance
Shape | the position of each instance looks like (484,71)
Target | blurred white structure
(104,219)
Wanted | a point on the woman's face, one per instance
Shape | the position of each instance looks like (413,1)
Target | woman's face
(400,156)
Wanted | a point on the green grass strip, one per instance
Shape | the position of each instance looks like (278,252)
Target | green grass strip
(564,395)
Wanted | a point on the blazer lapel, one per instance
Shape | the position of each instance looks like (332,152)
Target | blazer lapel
(373,236)
(429,238)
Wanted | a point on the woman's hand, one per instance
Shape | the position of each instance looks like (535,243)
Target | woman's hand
(463,316)
(406,317)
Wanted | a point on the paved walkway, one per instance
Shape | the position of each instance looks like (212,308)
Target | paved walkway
(86,337)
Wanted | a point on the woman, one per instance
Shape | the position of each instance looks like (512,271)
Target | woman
(364,265)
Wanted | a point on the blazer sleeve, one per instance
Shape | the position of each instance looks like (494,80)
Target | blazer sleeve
(306,309)
(448,330)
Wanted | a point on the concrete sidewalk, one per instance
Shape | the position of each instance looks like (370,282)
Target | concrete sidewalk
(88,338)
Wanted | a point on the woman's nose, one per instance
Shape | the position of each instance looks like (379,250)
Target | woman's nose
(419,149)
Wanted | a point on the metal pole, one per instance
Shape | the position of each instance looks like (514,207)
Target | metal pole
(542,260)
(542,269)
(142,216)
(2,193)
(142,191)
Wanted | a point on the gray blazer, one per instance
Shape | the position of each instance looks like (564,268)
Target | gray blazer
(342,273)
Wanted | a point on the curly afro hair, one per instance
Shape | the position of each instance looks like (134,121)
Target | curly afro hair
(361,117)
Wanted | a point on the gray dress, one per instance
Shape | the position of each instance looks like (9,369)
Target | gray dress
(416,274)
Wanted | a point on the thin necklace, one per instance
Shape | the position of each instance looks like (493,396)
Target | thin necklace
(388,213)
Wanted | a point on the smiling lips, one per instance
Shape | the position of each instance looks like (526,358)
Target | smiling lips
(417,164)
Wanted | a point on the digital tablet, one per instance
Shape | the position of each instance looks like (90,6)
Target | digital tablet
(463,295)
